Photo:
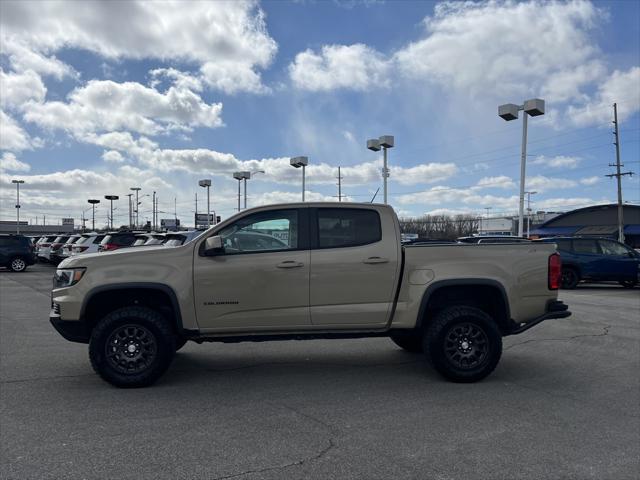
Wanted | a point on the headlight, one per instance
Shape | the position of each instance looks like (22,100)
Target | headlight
(67,277)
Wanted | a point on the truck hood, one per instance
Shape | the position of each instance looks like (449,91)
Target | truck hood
(123,256)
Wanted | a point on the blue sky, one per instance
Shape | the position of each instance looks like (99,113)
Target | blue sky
(105,96)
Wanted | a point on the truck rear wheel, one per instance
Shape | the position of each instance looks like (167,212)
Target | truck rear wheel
(132,347)
(410,343)
(463,344)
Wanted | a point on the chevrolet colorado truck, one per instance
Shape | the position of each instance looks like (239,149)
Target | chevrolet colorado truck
(304,271)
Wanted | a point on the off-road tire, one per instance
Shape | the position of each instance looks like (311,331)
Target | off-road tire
(122,328)
(447,334)
(18,264)
(570,278)
(410,343)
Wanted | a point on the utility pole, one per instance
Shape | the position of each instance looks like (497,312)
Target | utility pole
(130,216)
(339,186)
(153,212)
(618,173)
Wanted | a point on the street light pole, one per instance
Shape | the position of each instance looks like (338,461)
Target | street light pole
(93,213)
(17,182)
(136,189)
(239,176)
(298,162)
(111,198)
(385,142)
(529,211)
(509,111)
(207,183)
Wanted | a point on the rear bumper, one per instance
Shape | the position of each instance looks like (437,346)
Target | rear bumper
(555,309)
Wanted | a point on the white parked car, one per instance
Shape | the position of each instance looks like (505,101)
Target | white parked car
(63,251)
(43,247)
(87,243)
(176,239)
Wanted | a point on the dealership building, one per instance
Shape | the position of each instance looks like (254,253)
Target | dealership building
(596,221)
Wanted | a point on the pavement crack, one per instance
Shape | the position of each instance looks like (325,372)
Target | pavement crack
(302,461)
(605,332)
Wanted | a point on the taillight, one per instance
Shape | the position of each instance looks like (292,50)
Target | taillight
(555,271)
(45,244)
(109,246)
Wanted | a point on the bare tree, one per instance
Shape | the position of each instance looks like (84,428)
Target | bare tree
(440,227)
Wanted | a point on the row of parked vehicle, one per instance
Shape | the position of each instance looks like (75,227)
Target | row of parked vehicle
(19,251)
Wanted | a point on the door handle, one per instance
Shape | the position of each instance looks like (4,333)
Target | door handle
(289,264)
(372,260)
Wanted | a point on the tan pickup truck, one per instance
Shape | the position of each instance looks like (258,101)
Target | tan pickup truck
(304,271)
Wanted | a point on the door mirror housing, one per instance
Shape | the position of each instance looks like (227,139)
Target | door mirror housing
(213,245)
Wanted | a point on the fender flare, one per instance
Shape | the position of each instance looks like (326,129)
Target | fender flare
(173,298)
(433,288)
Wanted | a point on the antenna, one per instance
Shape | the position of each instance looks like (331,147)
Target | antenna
(374,195)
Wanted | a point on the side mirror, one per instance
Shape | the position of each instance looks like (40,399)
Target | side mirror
(213,245)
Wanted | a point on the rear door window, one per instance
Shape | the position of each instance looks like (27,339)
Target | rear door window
(564,245)
(347,227)
(585,245)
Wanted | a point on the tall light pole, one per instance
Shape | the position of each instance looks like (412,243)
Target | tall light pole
(298,162)
(17,182)
(130,214)
(111,198)
(247,176)
(207,183)
(487,209)
(385,142)
(136,189)
(529,210)
(508,112)
(93,203)
(238,176)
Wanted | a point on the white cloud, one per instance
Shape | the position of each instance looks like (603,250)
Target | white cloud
(12,136)
(354,67)
(424,173)
(10,163)
(104,105)
(589,180)
(559,161)
(501,181)
(522,47)
(621,87)
(112,156)
(542,183)
(18,88)
(22,58)
(228,41)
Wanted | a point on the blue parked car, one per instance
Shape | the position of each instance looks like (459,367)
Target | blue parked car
(596,259)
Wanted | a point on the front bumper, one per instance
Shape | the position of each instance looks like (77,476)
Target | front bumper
(72,330)
(555,309)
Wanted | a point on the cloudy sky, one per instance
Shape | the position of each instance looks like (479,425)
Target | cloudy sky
(100,97)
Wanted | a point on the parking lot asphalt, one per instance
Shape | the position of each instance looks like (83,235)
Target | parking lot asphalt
(564,403)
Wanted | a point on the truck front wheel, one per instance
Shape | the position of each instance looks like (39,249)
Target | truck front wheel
(132,347)
(463,344)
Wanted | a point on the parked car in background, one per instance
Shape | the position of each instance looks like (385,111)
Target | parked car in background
(116,240)
(63,251)
(43,247)
(180,238)
(493,239)
(56,245)
(87,243)
(16,252)
(156,239)
(148,239)
(597,259)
